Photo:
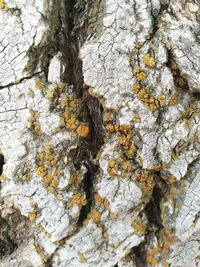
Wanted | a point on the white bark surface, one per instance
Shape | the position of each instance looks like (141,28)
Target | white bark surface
(134,202)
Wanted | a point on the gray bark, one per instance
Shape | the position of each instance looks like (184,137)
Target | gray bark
(99,133)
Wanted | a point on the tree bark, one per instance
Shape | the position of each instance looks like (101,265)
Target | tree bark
(99,133)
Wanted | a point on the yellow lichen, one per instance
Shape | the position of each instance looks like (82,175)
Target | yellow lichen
(171,179)
(160,252)
(95,216)
(83,130)
(55,182)
(108,117)
(42,171)
(137,118)
(173,99)
(105,235)
(141,76)
(3,6)
(32,216)
(33,123)
(82,258)
(71,124)
(139,226)
(113,167)
(79,200)
(39,84)
(136,69)
(145,180)
(136,88)
(149,61)
(152,255)
(101,201)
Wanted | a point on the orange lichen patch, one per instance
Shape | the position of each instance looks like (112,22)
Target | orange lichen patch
(126,148)
(105,235)
(171,179)
(136,88)
(157,168)
(48,178)
(101,201)
(145,179)
(48,150)
(72,103)
(75,180)
(159,254)
(141,76)
(33,122)
(95,216)
(167,238)
(32,216)
(50,93)
(139,226)
(131,151)
(71,124)
(46,168)
(55,182)
(83,130)
(82,258)
(161,100)
(41,171)
(173,99)
(137,118)
(110,128)
(149,61)
(79,200)
(39,84)
(153,256)
(113,167)
(108,117)
(152,103)
(126,167)
(136,69)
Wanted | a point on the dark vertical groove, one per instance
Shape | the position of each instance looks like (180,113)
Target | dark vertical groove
(90,110)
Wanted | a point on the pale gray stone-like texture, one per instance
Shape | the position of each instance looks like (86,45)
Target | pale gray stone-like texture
(99,133)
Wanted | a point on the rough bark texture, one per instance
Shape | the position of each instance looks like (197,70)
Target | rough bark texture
(99,133)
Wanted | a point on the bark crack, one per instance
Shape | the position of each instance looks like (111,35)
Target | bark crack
(90,110)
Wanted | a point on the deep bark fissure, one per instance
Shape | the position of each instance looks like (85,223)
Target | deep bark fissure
(152,209)
(139,253)
(1,163)
(90,110)
(153,214)
(179,79)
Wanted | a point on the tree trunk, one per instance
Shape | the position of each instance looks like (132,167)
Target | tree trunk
(99,133)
